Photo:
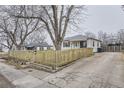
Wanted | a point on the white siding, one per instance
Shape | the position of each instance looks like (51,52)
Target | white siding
(41,48)
(97,44)
(45,48)
(75,44)
(38,48)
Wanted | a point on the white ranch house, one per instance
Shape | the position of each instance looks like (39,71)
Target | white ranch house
(37,46)
(81,41)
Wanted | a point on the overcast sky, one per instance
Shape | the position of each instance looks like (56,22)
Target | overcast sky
(107,18)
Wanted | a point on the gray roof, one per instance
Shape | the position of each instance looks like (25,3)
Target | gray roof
(78,38)
(43,44)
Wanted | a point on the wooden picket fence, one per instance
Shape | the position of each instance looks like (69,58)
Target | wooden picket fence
(122,56)
(52,58)
(3,54)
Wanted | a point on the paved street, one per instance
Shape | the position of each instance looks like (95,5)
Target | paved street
(103,70)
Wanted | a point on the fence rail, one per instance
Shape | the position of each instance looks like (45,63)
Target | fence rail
(3,54)
(52,58)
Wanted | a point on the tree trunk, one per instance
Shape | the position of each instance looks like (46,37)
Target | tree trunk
(9,51)
(58,46)
(18,47)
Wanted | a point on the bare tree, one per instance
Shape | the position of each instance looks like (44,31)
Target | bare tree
(103,36)
(56,19)
(16,29)
(120,37)
(90,35)
(5,41)
(36,37)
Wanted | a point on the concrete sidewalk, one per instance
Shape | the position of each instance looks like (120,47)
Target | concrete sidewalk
(4,83)
(19,78)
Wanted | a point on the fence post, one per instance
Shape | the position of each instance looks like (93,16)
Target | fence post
(34,56)
(8,53)
(54,64)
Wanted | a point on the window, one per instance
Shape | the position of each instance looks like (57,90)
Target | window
(48,48)
(76,44)
(93,44)
(98,44)
(84,44)
(66,44)
(41,48)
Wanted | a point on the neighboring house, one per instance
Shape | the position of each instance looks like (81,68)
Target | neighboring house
(80,41)
(37,46)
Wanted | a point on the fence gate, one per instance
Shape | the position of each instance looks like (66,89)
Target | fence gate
(112,48)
